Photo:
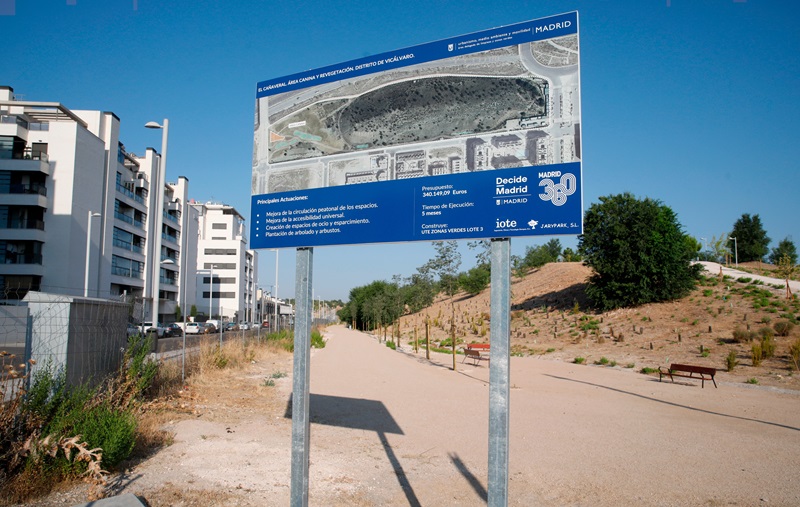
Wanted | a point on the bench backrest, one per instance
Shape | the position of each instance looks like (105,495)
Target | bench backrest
(478,346)
(693,369)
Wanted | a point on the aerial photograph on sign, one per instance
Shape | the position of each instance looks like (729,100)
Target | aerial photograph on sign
(507,107)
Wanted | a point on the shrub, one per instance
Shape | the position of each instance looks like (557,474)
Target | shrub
(741,335)
(646,370)
(730,361)
(112,430)
(757,354)
(391,345)
(768,345)
(602,361)
(752,380)
(579,360)
(783,327)
(794,353)
(316,339)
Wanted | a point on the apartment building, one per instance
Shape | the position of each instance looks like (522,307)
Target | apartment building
(76,209)
(226,270)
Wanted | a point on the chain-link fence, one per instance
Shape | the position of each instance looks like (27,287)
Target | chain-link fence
(86,337)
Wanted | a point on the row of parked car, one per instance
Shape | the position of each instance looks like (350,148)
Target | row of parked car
(176,329)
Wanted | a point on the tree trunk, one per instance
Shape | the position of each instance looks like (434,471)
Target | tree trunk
(453,333)
(427,339)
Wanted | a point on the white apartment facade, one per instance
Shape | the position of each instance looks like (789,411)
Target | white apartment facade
(222,256)
(75,209)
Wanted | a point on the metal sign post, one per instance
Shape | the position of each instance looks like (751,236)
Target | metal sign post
(301,422)
(499,372)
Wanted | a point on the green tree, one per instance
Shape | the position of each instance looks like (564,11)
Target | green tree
(445,265)
(785,247)
(637,249)
(484,248)
(178,313)
(418,292)
(193,311)
(570,255)
(719,247)
(553,248)
(538,256)
(476,279)
(693,246)
(751,242)
(786,269)
(518,266)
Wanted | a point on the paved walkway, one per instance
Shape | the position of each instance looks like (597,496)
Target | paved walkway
(713,268)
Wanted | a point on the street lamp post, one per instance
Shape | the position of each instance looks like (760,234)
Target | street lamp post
(162,172)
(275,329)
(211,303)
(88,252)
(736,250)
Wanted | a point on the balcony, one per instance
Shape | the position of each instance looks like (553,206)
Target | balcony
(127,246)
(166,237)
(126,272)
(171,218)
(24,188)
(129,193)
(165,280)
(25,224)
(129,220)
(21,258)
(29,161)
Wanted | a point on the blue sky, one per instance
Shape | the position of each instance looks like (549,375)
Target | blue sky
(693,102)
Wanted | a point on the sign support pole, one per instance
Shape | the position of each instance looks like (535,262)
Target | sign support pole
(301,422)
(499,367)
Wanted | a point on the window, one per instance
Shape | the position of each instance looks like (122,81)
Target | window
(219,226)
(219,251)
(126,267)
(221,295)
(216,265)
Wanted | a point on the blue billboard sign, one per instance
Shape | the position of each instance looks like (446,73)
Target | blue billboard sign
(477,136)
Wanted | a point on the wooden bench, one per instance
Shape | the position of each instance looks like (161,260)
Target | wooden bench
(477,352)
(702,373)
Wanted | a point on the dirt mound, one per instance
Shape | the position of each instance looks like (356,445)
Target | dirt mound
(552,318)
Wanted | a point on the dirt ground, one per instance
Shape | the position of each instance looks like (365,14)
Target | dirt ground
(545,324)
(393,428)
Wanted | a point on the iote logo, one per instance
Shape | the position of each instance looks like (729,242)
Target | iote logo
(504,224)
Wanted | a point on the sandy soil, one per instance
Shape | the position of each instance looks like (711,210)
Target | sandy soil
(393,428)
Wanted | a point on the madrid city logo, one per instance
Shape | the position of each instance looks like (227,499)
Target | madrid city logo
(557,193)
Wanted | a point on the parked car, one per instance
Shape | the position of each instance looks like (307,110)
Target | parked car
(147,328)
(174,329)
(231,326)
(209,328)
(244,326)
(194,328)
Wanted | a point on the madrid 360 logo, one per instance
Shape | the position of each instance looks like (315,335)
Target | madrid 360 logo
(557,193)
